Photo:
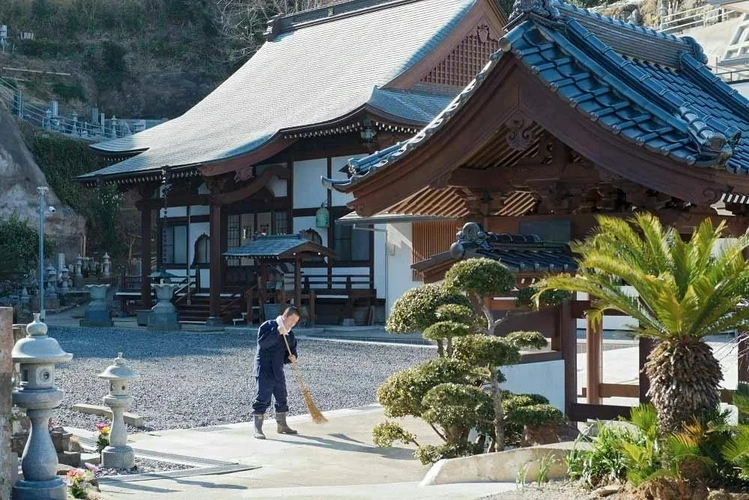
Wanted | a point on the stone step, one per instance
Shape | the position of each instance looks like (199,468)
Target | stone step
(103,411)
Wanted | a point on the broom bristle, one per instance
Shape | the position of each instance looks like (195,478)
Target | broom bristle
(317,416)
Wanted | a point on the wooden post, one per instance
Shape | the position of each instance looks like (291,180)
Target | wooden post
(646,345)
(312,313)
(215,266)
(6,403)
(743,356)
(298,282)
(567,327)
(145,256)
(594,356)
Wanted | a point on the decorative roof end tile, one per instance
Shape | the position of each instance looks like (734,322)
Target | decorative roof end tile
(710,142)
(542,8)
(697,51)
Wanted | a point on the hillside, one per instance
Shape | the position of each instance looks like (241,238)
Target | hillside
(129,58)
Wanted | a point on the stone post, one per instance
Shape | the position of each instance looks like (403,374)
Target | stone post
(37,354)
(118,454)
(64,289)
(106,268)
(97,312)
(7,462)
(78,279)
(163,315)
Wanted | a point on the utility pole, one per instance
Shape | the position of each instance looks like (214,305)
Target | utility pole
(42,190)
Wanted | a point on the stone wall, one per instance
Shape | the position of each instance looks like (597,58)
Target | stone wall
(6,405)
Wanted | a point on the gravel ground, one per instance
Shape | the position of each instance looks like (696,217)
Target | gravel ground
(143,466)
(553,490)
(198,379)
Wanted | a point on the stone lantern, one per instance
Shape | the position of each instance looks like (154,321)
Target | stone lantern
(36,355)
(97,312)
(163,315)
(118,454)
(106,267)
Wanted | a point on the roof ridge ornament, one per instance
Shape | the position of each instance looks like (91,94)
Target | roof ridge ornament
(543,8)
(697,51)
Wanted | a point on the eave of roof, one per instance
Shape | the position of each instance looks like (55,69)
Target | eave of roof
(280,247)
(650,88)
(310,75)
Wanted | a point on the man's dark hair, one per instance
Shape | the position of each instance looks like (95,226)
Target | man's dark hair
(291,311)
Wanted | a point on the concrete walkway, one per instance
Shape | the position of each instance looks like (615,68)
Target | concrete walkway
(335,460)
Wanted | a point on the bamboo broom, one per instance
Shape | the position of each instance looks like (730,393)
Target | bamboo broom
(314,411)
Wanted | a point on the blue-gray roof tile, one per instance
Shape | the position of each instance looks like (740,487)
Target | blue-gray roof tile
(310,75)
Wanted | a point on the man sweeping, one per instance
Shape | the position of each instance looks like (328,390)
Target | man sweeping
(274,341)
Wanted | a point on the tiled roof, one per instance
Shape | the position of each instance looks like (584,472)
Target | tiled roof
(520,253)
(316,70)
(650,88)
(277,247)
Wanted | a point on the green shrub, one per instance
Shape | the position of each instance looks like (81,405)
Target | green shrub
(402,392)
(416,309)
(537,415)
(479,277)
(547,298)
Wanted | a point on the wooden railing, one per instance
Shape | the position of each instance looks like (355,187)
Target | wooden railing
(342,284)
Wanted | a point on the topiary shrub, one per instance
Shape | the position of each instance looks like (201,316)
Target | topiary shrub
(416,309)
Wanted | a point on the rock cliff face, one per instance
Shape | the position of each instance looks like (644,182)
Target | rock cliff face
(19,178)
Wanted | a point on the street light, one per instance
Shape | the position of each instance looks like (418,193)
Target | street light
(43,208)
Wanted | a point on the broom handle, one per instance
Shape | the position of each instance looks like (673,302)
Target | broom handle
(293,363)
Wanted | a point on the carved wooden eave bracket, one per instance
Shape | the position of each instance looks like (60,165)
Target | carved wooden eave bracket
(256,183)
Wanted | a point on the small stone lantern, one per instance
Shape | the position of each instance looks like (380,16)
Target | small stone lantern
(118,454)
(106,267)
(36,355)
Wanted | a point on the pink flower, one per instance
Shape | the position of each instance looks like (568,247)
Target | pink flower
(101,425)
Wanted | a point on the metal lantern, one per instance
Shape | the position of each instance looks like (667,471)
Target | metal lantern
(322,217)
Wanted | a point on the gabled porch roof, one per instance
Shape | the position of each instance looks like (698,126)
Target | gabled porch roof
(280,247)
(635,102)
(527,256)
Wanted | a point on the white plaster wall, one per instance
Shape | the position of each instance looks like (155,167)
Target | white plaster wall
(302,223)
(308,190)
(340,199)
(200,210)
(182,211)
(399,254)
(545,378)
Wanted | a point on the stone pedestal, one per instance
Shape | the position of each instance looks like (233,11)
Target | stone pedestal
(97,313)
(142,316)
(163,315)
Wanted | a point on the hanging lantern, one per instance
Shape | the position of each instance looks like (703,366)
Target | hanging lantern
(322,217)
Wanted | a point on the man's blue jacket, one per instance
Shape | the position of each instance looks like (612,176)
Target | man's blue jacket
(271,351)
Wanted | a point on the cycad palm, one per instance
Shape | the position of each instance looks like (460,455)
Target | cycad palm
(684,294)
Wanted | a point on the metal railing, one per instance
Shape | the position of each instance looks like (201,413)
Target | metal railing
(704,15)
(70,123)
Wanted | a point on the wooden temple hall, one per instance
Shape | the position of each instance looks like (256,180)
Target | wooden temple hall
(574,115)
(231,190)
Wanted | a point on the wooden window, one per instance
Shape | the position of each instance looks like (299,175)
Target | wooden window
(431,238)
(175,245)
(233,231)
(280,223)
(352,245)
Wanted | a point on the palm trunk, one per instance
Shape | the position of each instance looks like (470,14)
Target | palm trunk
(684,379)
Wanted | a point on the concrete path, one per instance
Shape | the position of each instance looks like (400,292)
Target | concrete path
(335,460)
